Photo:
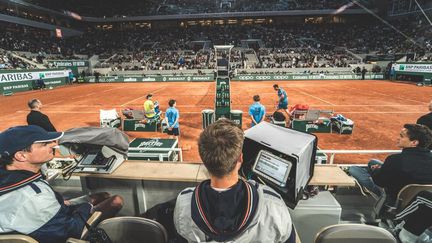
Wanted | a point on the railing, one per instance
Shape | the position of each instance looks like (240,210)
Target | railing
(332,154)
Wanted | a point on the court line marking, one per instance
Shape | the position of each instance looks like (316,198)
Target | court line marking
(245,105)
(86,95)
(383,94)
(244,111)
(313,96)
(152,92)
(380,112)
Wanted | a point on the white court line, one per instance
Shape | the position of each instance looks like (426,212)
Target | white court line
(55,102)
(151,92)
(400,98)
(244,112)
(313,96)
(244,105)
(380,112)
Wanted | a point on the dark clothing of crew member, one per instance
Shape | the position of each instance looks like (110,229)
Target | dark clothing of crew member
(40,84)
(426,120)
(39,119)
(363,73)
(412,166)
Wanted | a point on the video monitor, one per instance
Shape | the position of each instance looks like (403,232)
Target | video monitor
(272,167)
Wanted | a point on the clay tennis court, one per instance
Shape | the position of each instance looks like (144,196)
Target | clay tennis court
(378,108)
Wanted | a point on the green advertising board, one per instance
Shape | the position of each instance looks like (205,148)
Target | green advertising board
(23,80)
(207,78)
(69,63)
(416,69)
(136,126)
(271,77)
(158,78)
(141,149)
(312,127)
(73,65)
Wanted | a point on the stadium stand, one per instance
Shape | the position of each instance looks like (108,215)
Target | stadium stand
(290,46)
(137,41)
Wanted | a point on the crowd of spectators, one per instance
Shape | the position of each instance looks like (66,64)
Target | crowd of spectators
(287,46)
(7,61)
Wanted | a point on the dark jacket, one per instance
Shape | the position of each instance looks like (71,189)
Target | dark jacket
(30,206)
(39,119)
(412,166)
(426,120)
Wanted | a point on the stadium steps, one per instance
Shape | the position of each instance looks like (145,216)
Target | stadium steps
(38,65)
(251,59)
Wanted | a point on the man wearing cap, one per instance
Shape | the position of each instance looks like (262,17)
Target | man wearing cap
(36,117)
(28,205)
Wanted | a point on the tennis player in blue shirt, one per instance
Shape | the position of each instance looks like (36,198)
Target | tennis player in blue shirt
(172,117)
(283,99)
(256,111)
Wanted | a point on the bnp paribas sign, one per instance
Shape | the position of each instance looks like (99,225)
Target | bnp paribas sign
(32,75)
(414,67)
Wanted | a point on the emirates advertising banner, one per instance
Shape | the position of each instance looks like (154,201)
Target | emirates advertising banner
(32,75)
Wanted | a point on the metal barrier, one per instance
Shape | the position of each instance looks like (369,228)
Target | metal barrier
(334,152)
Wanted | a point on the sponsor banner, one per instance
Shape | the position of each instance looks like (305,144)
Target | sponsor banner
(239,78)
(414,67)
(185,78)
(110,79)
(14,76)
(305,77)
(28,85)
(69,63)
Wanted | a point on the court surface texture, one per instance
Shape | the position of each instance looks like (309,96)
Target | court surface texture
(378,108)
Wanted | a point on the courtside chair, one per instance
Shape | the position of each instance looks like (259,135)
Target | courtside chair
(384,211)
(354,233)
(408,193)
(19,238)
(16,238)
(134,230)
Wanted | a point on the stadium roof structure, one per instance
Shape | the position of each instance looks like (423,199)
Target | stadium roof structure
(147,10)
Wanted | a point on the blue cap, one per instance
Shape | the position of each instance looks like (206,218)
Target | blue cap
(17,138)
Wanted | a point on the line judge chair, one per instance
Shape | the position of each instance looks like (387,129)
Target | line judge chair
(354,233)
(134,230)
(384,211)
(16,238)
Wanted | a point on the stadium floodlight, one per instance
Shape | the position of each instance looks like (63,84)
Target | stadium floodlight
(421,9)
(356,2)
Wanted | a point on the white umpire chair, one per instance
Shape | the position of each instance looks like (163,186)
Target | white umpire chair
(109,118)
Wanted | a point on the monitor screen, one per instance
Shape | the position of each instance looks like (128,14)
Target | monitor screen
(88,160)
(272,167)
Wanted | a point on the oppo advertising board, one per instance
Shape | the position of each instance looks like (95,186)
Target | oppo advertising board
(252,77)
